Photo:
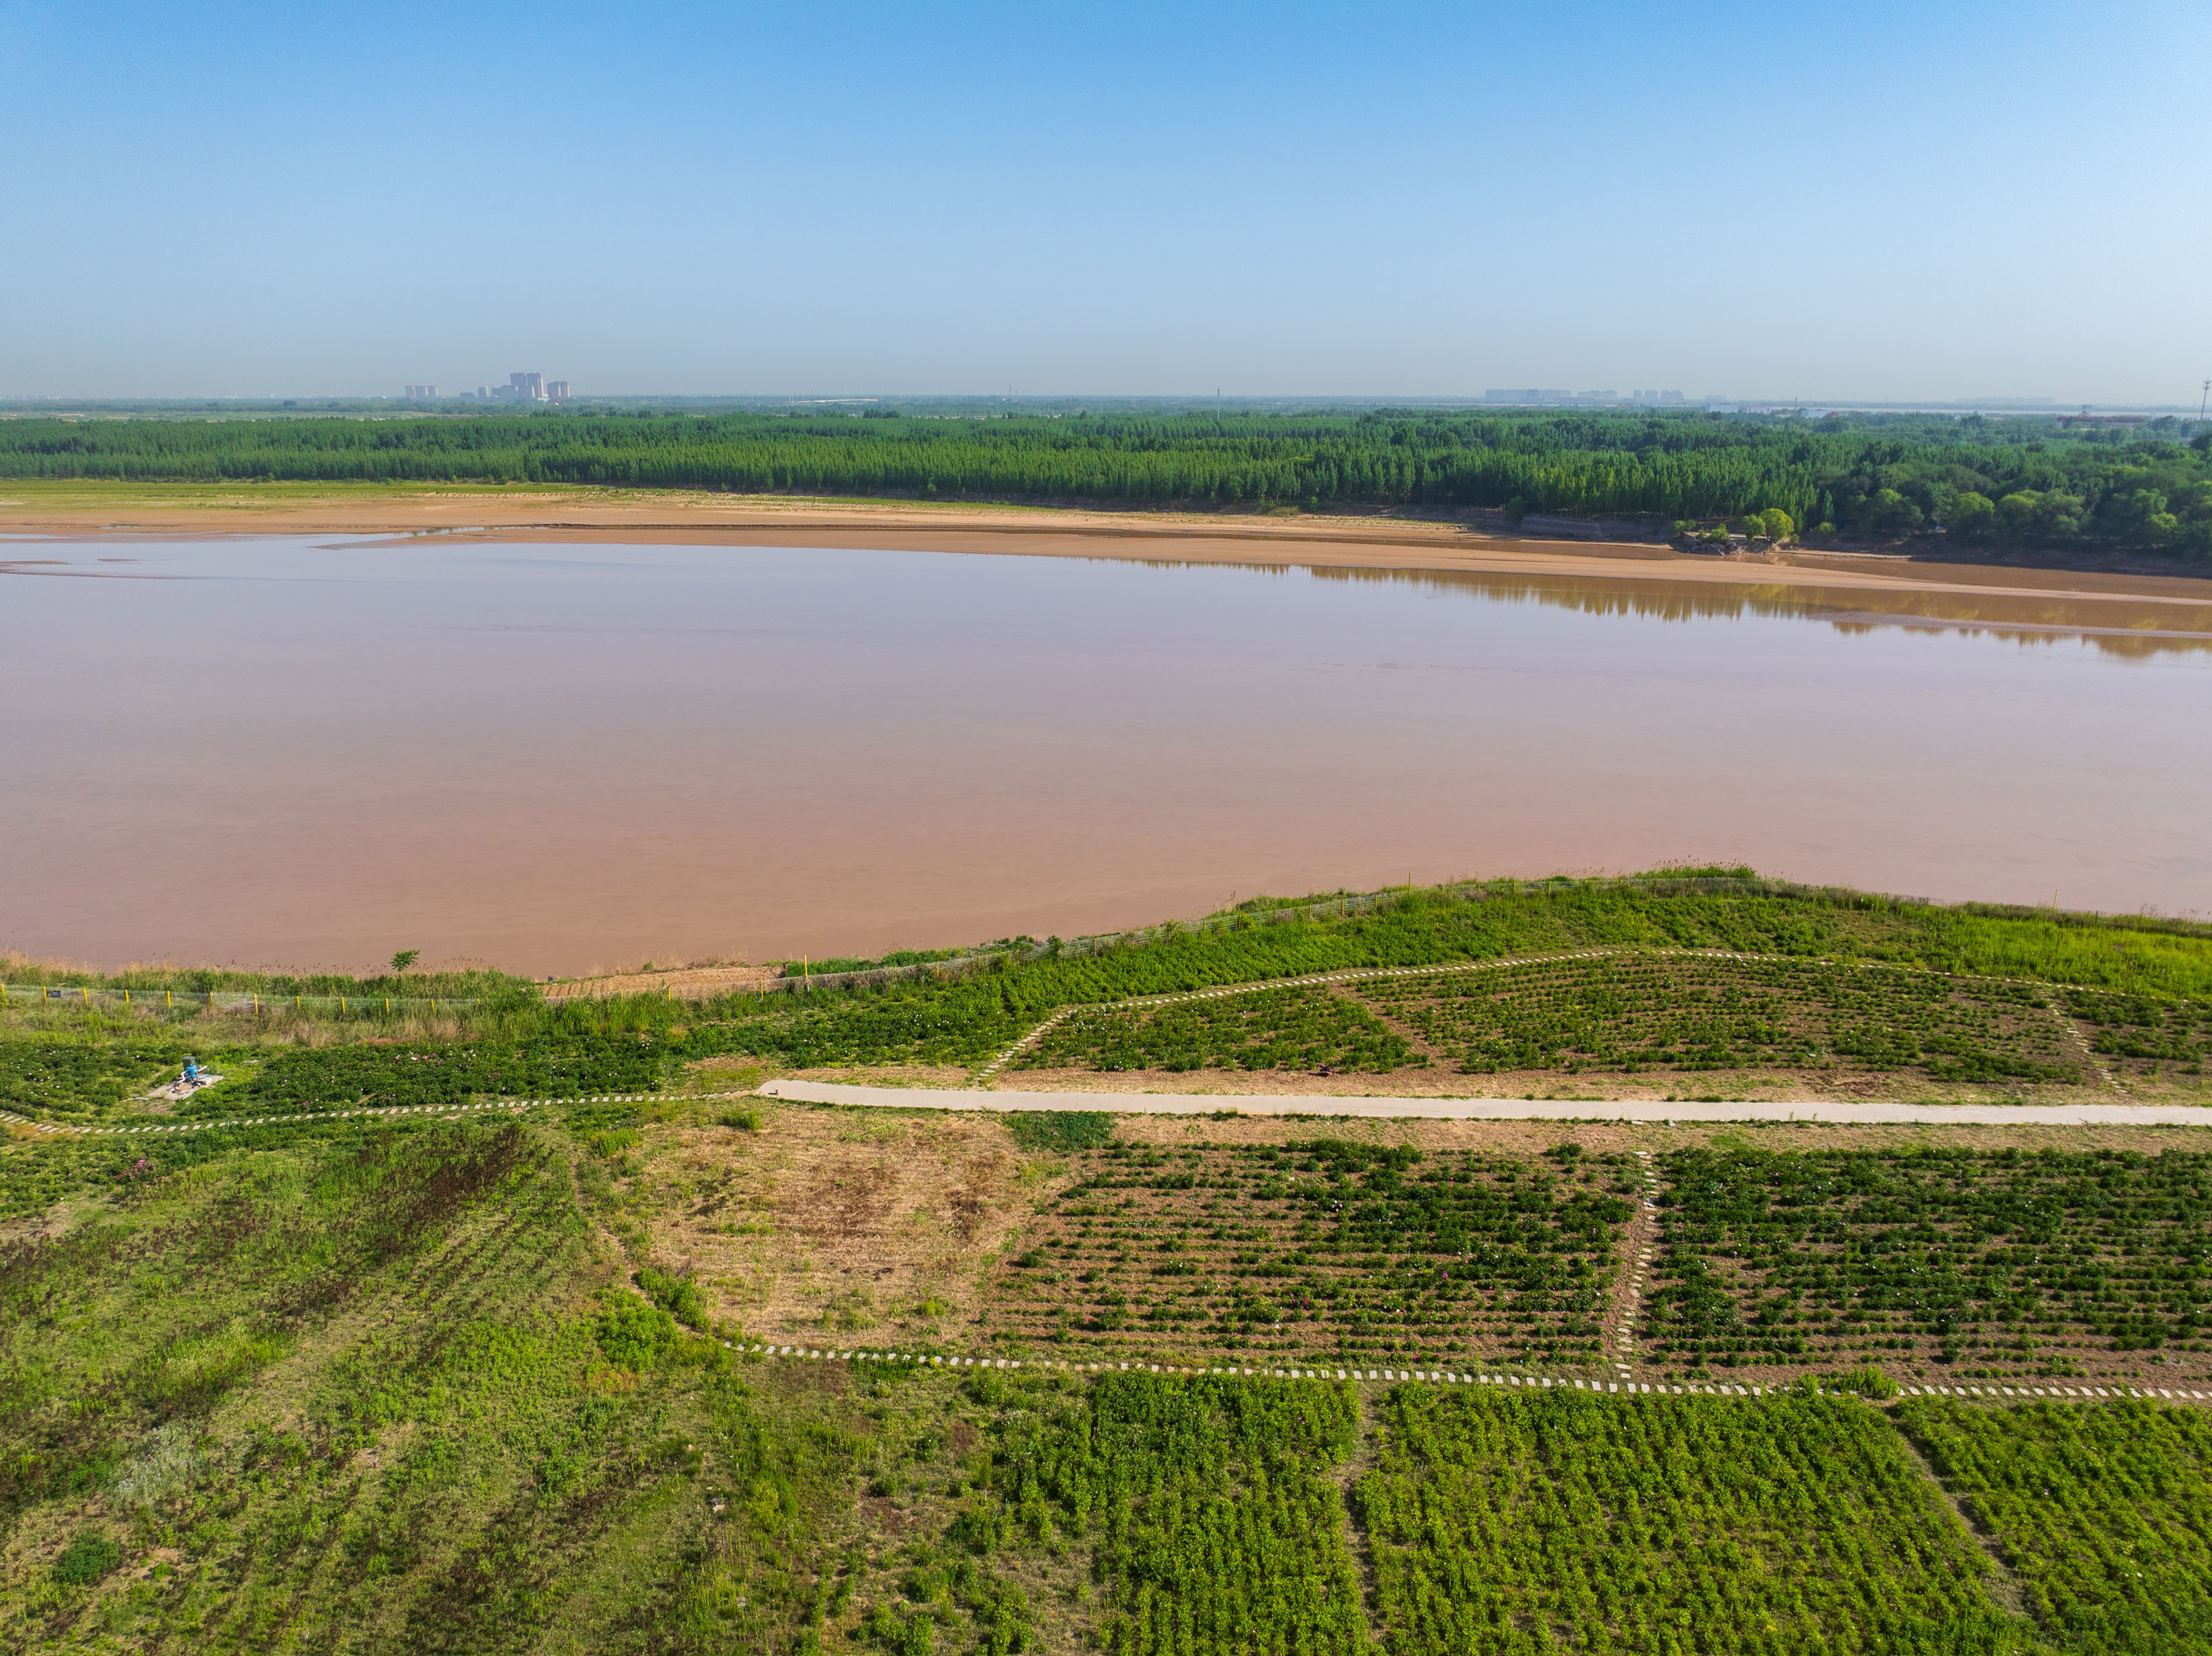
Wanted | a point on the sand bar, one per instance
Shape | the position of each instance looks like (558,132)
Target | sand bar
(1339,541)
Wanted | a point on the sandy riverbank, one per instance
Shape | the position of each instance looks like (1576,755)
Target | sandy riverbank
(2160,602)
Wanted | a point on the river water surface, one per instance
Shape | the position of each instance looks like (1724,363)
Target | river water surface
(562,757)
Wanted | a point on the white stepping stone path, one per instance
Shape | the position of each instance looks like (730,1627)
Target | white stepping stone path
(448,1112)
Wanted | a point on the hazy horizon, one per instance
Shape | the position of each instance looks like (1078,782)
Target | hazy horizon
(461,392)
(247,201)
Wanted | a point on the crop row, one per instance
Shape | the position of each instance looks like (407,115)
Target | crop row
(2143,1028)
(1324,1246)
(2050,1258)
(1637,1012)
(1298,1029)
(2105,1514)
(1512,1521)
(67,1078)
(1217,1528)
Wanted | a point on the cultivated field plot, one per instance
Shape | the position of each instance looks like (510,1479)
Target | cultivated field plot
(1215,1523)
(1638,1012)
(2105,1515)
(1301,1029)
(2138,1033)
(1325,1249)
(1986,1263)
(1509,1521)
(80,1078)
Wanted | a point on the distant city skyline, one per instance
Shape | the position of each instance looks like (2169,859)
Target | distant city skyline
(1317,199)
(536,389)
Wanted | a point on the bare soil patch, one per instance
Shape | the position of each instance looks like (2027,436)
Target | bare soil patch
(689,982)
(834,1224)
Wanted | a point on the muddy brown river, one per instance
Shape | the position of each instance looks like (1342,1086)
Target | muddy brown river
(570,756)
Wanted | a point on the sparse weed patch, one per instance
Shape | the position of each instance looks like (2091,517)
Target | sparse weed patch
(1061,1131)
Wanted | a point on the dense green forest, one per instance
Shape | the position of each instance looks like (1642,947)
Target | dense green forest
(1876,477)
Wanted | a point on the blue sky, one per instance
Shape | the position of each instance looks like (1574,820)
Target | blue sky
(1759,199)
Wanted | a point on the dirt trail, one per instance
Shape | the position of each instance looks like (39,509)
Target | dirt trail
(1638,1248)
(1346,1476)
(2003,1586)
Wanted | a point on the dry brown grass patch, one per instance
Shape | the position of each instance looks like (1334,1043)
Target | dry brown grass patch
(830,1224)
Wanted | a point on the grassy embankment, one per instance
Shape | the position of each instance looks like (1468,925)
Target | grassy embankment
(346,1386)
(1852,994)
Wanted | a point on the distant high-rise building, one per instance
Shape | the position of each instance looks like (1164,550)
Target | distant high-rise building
(523,388)
(421,393)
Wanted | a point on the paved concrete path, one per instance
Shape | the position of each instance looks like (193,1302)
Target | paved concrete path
(1490,1109)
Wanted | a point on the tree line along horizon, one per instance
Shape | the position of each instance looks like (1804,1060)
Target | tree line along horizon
(1980,481)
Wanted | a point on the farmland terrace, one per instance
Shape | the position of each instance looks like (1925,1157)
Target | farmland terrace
(360,1350)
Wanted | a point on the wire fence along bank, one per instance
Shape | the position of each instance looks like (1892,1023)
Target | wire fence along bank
(223,1000)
